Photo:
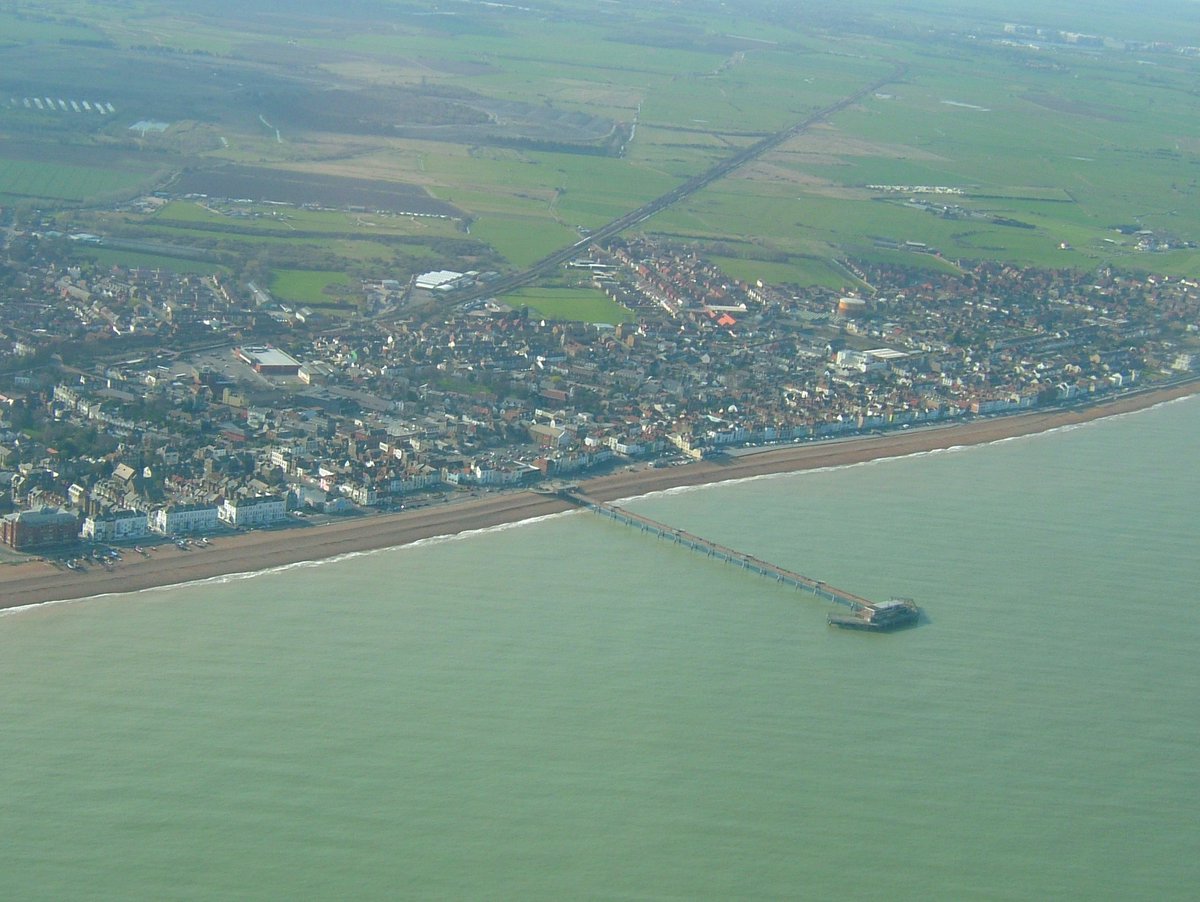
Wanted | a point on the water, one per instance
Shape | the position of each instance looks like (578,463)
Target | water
(571,708)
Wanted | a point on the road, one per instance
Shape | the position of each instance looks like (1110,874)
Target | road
(674,196)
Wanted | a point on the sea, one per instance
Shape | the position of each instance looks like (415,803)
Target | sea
(569,708)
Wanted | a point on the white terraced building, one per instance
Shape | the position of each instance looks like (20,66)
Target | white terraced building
(116,526)
(261,510)
(181,518)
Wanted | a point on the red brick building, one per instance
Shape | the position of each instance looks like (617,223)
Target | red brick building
(41,528)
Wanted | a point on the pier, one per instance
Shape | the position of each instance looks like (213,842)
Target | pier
(740,559)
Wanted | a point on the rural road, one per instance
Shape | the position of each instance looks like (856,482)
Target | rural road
(674,196)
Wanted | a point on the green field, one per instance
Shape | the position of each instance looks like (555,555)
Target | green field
(582,305)
(802,271)
(578,190)
(353,244)
(129,259)
(16,30)
(509,116)
(279,250)
(522,241)
(258,218)
(1068,158)
(32,181)
(309,286)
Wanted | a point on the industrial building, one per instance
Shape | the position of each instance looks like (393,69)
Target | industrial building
(443,280)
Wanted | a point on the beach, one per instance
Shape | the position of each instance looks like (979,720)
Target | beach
(36,582)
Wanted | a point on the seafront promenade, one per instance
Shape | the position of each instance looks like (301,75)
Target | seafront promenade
(35,582)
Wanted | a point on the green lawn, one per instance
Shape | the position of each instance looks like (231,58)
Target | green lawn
(308,286)
(583,305)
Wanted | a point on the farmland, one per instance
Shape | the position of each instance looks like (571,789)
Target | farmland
(522,242)
(280,221)
(1048,196)
(50,182)
(490,140)
(279,186)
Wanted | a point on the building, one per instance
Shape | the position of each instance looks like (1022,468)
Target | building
(316,372)
(181,518)
(442,280)
(873,361)
(116,526)
(261,510)
(39,528)
(549,436)
(851,307)
(269,361)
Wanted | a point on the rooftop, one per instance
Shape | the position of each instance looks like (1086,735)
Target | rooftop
(437,278)
(268,357)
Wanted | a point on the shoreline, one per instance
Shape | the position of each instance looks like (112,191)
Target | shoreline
(36,582)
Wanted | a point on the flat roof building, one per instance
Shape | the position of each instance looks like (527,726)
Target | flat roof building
(441,280)
(269,361)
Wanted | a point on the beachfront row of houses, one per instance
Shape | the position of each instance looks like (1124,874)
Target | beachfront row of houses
(30,530)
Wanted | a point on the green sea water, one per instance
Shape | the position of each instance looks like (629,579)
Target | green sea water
(571,709)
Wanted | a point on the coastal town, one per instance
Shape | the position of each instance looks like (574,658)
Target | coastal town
(571,449)
(138,403)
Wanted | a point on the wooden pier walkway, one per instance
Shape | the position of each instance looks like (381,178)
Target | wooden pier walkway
(720,552)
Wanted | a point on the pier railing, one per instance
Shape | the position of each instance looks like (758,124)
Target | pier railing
(720,552)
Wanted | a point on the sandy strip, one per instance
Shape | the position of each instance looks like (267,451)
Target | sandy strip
(35,582)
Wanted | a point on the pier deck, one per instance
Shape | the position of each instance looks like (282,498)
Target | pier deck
(720,552)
